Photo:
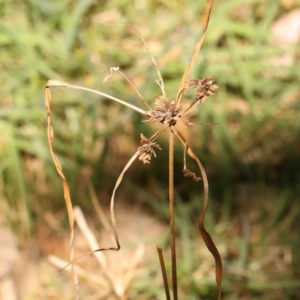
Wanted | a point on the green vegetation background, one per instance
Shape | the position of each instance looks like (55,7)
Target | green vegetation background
(251,155)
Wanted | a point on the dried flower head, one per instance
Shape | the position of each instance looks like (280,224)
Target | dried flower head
(205,87)
(164,111)
(188,173)
(146,150)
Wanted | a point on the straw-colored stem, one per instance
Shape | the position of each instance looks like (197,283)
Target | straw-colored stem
(163,271)
(205,235)
(172,217)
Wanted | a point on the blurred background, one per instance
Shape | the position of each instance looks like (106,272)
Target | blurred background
(251,155)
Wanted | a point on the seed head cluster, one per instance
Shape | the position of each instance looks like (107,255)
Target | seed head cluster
(146,150)
(205,87)
(188,173)
(164,112)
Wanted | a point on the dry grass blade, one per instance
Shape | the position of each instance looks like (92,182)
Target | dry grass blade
(61,264)
(205,235)
(52,82)
(93,244)
(112,201)
(187,72)
(139,152)
(136,259)
(90,237)
(163,271)
(67,196)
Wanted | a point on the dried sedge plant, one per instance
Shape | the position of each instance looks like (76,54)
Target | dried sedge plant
(168,113)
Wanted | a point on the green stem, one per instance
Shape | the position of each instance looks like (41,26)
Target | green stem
(172,217)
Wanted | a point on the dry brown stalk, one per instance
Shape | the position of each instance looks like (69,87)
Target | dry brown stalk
(163,271)
(167,113)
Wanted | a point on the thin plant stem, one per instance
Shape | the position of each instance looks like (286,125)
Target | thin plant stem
(136,90)
(205,235)
(172,217)
(53,82)
(163,271)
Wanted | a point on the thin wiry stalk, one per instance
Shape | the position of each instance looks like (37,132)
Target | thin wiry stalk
(93,244)
(160,79)
(205,235)
(172,216)
(53,82)
(112,201)
(187,72)
(163,271)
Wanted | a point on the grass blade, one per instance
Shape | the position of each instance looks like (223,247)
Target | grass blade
(197,48)
(67,196)
(205,235)
(163,271)
(112,201)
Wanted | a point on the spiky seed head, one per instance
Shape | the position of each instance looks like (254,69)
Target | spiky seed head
(165,112)
(188,173)
(205,87)
(146,151)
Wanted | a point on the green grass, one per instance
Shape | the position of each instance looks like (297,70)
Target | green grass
(254,148)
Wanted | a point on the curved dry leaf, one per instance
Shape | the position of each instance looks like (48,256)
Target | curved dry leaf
(205,235)
(67,196)
(197,48)
(112,200)
(112,204)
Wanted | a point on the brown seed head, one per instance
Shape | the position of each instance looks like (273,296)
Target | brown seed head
(205,87)
(146,150)
(164,112)
(188,173)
